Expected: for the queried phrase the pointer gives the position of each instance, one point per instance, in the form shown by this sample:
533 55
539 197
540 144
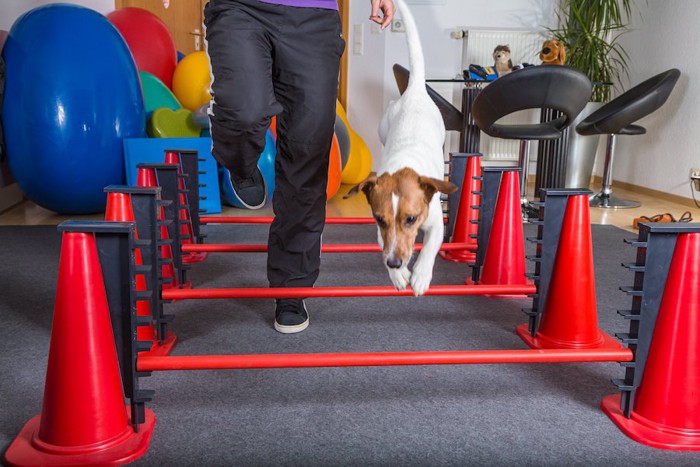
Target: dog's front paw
420 279
399 277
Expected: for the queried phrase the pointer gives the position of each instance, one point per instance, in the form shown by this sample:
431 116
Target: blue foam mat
152 150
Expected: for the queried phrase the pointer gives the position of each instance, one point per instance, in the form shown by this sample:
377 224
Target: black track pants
276 60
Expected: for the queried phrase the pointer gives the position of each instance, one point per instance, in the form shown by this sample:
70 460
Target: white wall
660 160
665 35
371 80
10 10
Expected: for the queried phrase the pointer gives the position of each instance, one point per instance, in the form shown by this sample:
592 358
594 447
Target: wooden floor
29 213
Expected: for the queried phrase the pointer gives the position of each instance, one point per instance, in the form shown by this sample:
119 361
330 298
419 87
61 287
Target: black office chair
617 118
553 87
452 116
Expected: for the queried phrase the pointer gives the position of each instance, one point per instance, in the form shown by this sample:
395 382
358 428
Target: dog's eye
410 220
380 221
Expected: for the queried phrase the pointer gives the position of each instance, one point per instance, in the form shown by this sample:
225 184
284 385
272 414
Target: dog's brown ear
562 53
432 185
365 185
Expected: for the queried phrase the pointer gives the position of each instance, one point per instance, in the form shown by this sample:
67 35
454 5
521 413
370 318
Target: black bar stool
543 87
617 118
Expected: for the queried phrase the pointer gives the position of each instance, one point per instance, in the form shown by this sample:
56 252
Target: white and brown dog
403 193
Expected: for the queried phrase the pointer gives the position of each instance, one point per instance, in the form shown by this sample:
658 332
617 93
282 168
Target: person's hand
387 8
166 3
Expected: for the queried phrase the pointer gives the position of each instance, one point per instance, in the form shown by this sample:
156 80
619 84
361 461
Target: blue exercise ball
266 164
72 94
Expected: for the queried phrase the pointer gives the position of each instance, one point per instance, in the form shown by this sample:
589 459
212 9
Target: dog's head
400 204
553 52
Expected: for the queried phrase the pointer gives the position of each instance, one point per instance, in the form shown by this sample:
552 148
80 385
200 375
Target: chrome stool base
602 200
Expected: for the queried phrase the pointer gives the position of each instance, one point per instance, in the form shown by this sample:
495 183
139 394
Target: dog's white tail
415 51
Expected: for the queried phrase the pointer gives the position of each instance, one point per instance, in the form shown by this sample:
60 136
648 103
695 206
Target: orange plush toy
553 52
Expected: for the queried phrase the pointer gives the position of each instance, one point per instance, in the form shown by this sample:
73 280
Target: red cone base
28 450
161 350
647 432
191 257
504 259
459 256
603 341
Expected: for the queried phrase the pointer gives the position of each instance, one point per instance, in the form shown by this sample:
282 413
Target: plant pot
581 152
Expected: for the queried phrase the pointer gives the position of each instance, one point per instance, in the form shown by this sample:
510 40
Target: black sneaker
250 192
291 315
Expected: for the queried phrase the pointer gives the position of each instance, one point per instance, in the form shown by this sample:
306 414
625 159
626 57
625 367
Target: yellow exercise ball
359 163
340 111
191 80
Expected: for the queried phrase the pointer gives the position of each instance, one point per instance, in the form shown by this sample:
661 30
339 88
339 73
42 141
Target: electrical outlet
397 25
695 177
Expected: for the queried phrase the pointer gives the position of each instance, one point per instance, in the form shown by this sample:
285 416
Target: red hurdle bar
363 291
461 357
329 248
268 220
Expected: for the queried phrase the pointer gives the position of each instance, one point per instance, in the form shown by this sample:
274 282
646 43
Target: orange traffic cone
666 411
84 420
504 259
119 209
570 317
464 229
147 177
172 157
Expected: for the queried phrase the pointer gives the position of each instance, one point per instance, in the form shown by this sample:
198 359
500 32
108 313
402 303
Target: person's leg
243 100
308 46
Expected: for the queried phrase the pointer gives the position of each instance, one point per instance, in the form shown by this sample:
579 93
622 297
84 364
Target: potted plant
590 29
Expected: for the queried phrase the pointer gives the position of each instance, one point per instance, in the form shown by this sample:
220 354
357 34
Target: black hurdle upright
168 177
490 185
552 207
457 174
146 204
655 246
190 172
116 246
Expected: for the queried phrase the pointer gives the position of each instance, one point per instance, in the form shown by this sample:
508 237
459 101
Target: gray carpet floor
494 415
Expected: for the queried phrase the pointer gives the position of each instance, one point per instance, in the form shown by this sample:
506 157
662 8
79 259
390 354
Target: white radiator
477 48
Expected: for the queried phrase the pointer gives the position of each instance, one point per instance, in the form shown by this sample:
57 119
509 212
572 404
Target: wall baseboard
662 195
10 196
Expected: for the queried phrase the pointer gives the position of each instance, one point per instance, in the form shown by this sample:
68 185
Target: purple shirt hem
329 4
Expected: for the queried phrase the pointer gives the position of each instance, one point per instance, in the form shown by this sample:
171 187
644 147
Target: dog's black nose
546 50
393 263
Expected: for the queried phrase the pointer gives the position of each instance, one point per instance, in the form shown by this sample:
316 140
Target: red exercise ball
334 169
149 41
273 126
